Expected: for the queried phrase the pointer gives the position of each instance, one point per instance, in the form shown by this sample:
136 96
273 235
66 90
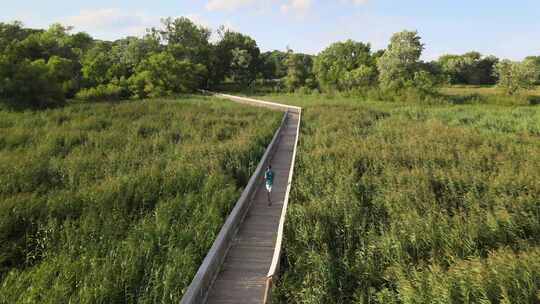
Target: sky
507 29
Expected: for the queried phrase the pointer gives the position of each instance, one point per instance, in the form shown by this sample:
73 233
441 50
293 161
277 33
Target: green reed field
487 90
471 94
405 203
119 203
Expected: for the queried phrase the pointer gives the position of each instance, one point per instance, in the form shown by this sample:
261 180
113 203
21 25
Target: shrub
516 76
63 71
29 83
303 91
400 61
161 75
469 68
362 77
103 92
344 65
299 72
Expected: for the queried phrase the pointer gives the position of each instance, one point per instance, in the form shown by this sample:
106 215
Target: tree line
45 67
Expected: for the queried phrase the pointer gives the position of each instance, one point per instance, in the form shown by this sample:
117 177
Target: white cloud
107 21
296 6
112 23
199 20
363 26
228 5
355 2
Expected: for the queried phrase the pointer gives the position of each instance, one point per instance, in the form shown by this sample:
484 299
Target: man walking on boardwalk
269 179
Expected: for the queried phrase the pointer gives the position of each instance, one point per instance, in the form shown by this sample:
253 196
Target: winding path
244 259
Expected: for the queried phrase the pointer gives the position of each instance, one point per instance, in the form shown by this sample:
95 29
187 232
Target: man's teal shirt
269 176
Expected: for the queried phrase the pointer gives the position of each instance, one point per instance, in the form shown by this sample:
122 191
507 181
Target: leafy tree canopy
469 68
299 71
516 76
237 57
399 63
345 65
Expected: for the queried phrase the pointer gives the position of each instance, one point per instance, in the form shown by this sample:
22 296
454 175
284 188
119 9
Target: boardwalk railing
256 102
197 291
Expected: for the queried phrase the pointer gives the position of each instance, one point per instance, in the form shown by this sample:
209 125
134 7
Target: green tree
483 71
425 82
63 71
39 68
535 60
299 71
378 54
345 65
107 66
44 44
469 68
233 49
126 54
161 75
80 43
273 64
240 66
399 63
11 33
185 40
96 64
29 83
516 76
361 77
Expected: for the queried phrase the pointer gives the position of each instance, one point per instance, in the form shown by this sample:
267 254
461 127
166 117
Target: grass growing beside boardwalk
483 90
119 203
456 95
405 203
467 94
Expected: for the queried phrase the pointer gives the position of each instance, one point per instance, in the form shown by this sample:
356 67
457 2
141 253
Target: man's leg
269 191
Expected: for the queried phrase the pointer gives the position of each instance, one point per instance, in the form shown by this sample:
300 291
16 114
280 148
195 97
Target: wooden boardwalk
243 274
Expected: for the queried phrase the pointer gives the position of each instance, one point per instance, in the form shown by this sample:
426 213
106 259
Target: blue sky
509 29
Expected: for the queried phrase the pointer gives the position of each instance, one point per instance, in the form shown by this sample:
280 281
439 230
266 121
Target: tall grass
452 95
404 203
467 94
119 203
